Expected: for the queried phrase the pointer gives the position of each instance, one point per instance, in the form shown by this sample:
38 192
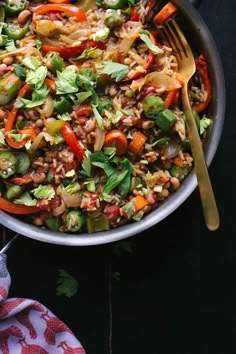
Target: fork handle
209 206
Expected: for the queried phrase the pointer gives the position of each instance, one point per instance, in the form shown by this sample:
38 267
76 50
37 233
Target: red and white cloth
27 327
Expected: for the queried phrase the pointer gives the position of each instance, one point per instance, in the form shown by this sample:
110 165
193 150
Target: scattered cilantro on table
67 285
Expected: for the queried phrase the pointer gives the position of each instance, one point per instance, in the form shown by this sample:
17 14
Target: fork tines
174 37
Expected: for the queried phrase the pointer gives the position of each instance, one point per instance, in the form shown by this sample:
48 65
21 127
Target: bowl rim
178 197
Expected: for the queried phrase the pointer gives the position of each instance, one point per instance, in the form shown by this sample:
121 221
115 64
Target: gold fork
176 40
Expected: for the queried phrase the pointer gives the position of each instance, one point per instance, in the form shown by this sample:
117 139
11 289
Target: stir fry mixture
92 132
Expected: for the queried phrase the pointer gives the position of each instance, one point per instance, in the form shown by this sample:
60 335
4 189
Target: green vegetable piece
54 127
97 224
63 105
186 145
14 7
66 284
124 186
3 37
116 70
23 162
144 35
135 181
115 4
53 223
2 13
180 172
102 35
50 176
166 120
13 191
152 106
15 32
54 61
115 20
8 163
9 87
74 220
197 119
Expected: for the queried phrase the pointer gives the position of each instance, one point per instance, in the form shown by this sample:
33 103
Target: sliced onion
160 79
38 139
70 200
99 139
59 210
48 107
86 5
170 150
28 50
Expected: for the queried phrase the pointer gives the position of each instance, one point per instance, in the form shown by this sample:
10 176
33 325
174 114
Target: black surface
176 292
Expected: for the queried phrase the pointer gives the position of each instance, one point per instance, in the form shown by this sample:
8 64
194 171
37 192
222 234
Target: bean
38 221
113 90
39 123
33 114
164 193
175 183
7 60
89 125
147 124
23 16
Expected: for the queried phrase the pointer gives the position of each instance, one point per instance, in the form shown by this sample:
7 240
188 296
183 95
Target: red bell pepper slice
20 180
70 51
134 16
170 98
67 8
201 70
72 141
17 208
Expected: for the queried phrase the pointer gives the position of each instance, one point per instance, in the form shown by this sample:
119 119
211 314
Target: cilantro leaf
64 116
38 98
144 35
115 70
86 165
31 62
98 117
36 77
113 181
129 209
25 199
66 81
73 187
80 97
204 124
90 185
10 46
67 285
38 44
19 70
44 192
18 137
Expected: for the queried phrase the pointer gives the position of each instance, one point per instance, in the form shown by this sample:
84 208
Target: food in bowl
92 129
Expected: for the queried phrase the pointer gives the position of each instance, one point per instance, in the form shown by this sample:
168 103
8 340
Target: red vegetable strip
201 67
165 13
134 16
69 51
17 208
51 84
67 8
72 141
20 180
170 98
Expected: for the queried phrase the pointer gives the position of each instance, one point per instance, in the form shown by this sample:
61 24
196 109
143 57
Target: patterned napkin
27 327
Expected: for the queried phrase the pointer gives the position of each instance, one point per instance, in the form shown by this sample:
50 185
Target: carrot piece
139 203
178 161
51 84
165 13
137 143
170 98
117 138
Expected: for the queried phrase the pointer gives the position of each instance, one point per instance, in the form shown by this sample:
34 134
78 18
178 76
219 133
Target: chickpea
175 183
23 16
39 123
113 90
7 60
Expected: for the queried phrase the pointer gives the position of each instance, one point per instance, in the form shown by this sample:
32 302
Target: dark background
170 290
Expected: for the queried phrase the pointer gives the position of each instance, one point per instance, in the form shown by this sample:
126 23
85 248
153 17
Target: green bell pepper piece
97 224
63 105
9 87
115 4
152 106
115 20
14 7
8 162
165 120
16 32
53 223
